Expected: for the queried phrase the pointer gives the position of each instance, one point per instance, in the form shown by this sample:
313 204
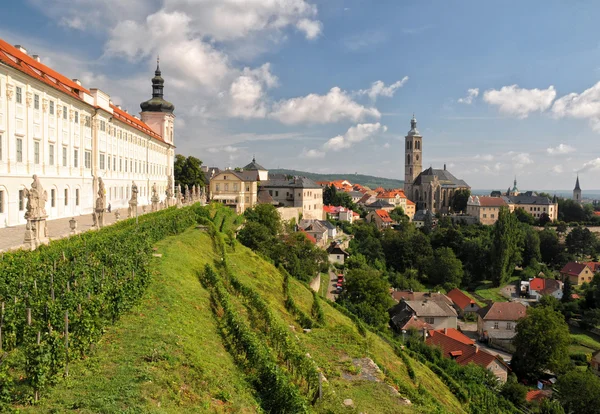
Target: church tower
413 158
577 191
156 112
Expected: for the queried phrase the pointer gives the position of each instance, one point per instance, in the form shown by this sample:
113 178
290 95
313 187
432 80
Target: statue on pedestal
133 201
187 194
179 196
36 231
155 199
98 214
169 192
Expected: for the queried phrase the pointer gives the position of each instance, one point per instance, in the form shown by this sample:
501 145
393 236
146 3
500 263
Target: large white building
68 135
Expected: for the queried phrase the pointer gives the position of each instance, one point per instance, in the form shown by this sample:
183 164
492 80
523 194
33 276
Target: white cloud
354 135
228 149
521 159
378 88
593 165
386 145
557 169
311 28
471 94
560 149
247 92
585 105
520 102
484 157
337 105
313 153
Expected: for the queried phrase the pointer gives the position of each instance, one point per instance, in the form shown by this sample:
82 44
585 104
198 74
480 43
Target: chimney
77 81
119 106
36 58
21 48
125 110
444 167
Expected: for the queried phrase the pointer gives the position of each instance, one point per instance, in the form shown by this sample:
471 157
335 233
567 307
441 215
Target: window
114 163
108 159
247 188
51 107
218 187
36 101
235 187
1 202
121 166
76 117
496 325
19 149
430 320
75 159
102 157
51 154
102 126
21 200
77 196
65 110
276 193
53 198
509 326
226 187
19 95
36 152
126 165
88 159
64 156
66 197
88 121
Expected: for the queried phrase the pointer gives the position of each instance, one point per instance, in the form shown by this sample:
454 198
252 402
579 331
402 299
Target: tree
445 268
567 291
581 241
570 211
550 248
257 237
542 343
531 246
460 199
505 247
523 216
513 391
329 194
299 256
188 171
398 215
367 294
267 215
579 392
550 407
544 219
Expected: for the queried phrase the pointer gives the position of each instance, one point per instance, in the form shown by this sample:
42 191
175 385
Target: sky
499 89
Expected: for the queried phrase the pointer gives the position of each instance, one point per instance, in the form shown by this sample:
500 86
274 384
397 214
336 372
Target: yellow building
237 189
485 209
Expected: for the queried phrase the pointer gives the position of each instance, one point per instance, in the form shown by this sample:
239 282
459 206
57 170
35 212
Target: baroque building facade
432 189
70 136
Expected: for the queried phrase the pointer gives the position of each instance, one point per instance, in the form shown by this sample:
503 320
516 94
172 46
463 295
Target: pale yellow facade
234 190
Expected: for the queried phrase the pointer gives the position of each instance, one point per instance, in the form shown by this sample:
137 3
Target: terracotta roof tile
459 298
503 311
384 215
573 268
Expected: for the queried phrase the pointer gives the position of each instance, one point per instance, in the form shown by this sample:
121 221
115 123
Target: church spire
577 184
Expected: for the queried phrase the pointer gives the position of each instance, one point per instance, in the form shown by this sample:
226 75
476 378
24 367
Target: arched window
407 145
410 170
417 145
408 158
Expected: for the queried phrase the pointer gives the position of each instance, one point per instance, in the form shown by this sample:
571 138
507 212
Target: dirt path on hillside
315 284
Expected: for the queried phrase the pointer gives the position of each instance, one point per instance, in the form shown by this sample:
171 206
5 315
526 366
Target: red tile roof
460 299
537 284
410 203
22 62
594 266
537 395
309 237
384 216
573 268
491 202
457 335
503 311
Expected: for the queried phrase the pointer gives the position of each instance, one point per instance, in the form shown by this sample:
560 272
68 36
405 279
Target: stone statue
36 231
169 192
36 200
155 199
187 194
178 195
133 201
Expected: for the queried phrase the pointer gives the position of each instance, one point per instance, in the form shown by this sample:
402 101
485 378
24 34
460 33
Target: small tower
577 191
413 158
157 113
515 190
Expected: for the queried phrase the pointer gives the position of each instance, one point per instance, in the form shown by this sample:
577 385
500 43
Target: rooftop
503 311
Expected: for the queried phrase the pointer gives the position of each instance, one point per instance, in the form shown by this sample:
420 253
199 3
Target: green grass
581 338
478 302
487 291
166 355
325 285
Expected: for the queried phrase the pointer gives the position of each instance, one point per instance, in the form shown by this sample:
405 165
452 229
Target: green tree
567 291
256 237
550 407
329 194
513 391
542 343
267 215
551 249
581 241
367 294
188 171
579 392
544 219
398 215
570 211
531 246
460 199
523 216
505 247
445 268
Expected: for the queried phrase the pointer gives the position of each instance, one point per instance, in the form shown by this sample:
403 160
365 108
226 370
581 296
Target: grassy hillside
367 180
172 352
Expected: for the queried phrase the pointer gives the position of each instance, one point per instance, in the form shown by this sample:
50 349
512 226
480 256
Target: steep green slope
168 354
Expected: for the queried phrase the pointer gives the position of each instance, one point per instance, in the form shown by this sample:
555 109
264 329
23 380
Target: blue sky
499 88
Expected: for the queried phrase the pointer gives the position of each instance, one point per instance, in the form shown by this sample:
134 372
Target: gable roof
263 196
335 248
537 395
445 178
380 204
430 308
309 237
486 201
594 266
384 216
254 166
460 299
503 311
398 295
528 199
573 268
13 57
293 182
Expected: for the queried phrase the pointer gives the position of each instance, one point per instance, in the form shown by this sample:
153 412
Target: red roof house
462 302
577 273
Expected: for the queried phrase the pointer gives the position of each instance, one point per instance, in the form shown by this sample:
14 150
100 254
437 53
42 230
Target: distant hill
366 180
